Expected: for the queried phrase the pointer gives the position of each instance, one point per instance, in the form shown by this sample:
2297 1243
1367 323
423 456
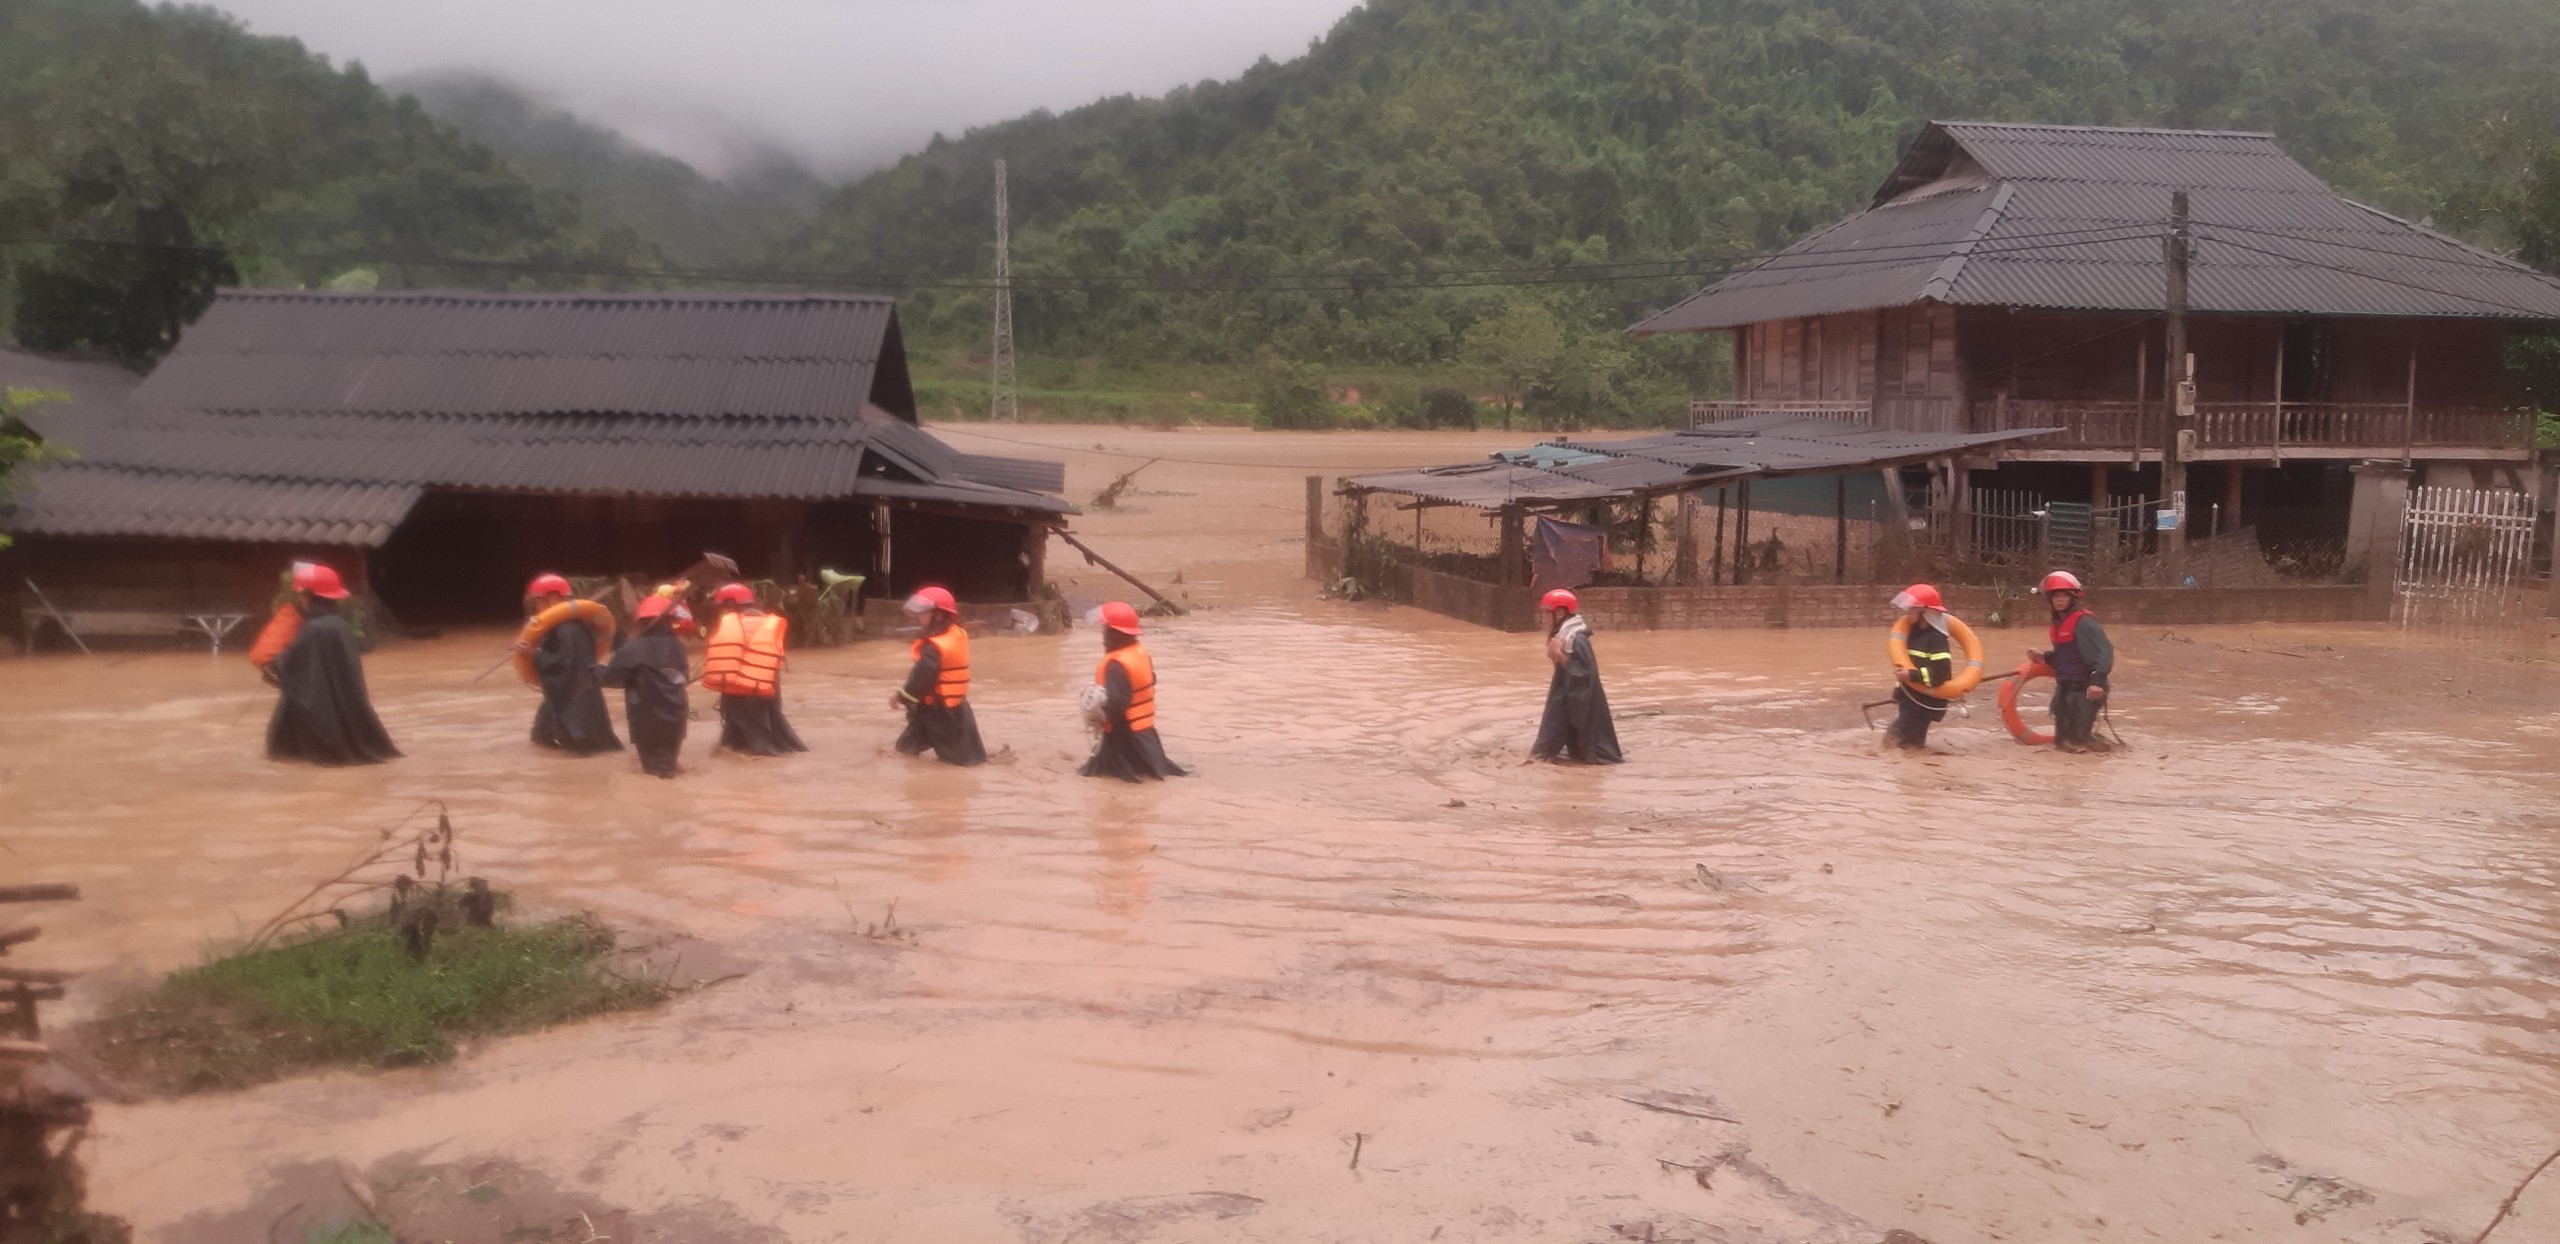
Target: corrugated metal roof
277 406
1028 474
1752 447
1778 444
82 499
2073 218
1486 485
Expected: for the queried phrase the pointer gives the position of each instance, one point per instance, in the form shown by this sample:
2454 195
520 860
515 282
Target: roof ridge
2448 239
537 296
2105 129
1943 280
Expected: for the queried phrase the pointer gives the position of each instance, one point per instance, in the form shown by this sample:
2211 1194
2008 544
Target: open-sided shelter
444 445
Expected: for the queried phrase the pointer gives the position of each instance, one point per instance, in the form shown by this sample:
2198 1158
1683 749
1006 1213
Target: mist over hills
696 220
156 152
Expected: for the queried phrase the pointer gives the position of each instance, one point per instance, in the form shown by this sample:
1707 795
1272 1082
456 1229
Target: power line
965 430
2532 312
2488 261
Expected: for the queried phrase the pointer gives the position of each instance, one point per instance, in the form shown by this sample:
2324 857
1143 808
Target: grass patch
356 996
351 1233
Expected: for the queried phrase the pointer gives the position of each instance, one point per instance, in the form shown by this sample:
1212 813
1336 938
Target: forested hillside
1470 134
147 155
695 219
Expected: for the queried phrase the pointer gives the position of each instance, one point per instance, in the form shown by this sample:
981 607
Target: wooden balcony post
2276 434
1742 533
2409 416
1840 536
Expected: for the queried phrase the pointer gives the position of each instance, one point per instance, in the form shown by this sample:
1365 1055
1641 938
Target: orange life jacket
1141 669
953 687
276 636
743 659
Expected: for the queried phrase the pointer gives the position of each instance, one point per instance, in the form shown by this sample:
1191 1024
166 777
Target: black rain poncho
1577 725
951 732
754 724
323 714
650 669
572 717
1129 755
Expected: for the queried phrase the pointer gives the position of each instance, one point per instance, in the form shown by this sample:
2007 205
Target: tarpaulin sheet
1563 554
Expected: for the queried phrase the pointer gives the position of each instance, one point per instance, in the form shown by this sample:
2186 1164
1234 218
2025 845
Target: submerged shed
443 446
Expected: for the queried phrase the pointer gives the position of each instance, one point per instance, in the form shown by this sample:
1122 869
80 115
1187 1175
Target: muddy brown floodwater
2286 969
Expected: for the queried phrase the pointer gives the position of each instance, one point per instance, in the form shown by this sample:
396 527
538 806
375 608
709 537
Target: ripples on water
1987 992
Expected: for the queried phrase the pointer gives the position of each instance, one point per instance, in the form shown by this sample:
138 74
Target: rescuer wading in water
1129 748
1933 662
743 662
572 718
323 714
936 696
650 668
2081 658
1577 725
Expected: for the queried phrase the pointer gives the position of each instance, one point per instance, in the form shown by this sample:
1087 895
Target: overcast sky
845 84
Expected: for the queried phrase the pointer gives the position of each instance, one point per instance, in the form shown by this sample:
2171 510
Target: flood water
2286 968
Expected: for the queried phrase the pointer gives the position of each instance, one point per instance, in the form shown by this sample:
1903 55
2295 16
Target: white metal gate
2464 556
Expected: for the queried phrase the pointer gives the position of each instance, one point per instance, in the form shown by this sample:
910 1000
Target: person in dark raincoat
1933 662
1129 749
743 662
572 717
649 666
936 696
1577 725
323 714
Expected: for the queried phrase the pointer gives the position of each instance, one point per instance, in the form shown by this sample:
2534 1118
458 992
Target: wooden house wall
1902 359
2099 356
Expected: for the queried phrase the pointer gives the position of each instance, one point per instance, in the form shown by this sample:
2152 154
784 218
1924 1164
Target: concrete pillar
1684 540
2374 521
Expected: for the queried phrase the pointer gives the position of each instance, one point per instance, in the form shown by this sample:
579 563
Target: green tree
1466 135
2512 197
1288 394
1514 349
19 444
155 153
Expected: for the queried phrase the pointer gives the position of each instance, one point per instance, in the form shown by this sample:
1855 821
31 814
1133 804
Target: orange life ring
1897 646
2009 693
587 611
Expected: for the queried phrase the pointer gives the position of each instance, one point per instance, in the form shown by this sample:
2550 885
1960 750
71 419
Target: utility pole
1004 399
2180 390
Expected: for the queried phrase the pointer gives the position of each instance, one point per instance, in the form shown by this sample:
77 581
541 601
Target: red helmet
928 599
1919 596
734 594
1120 617
319 580
548 585
652 606
1560 599
2061 581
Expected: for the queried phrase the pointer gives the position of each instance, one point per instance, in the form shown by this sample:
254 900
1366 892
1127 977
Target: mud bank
2284 965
